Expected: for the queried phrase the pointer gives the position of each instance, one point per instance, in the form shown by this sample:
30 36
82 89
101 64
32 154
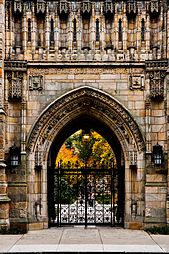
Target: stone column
70 32
4 199
56 33
33 30
79 31
92 36
147 34
24 33
167 99
47 32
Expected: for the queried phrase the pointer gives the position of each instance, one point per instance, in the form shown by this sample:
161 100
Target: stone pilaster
4 200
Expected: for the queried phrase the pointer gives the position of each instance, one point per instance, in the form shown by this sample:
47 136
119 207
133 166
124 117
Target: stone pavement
79 239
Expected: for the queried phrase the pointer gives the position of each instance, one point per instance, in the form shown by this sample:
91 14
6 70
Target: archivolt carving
89 101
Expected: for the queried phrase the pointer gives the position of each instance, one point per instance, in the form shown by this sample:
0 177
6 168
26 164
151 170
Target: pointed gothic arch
60 118
85 101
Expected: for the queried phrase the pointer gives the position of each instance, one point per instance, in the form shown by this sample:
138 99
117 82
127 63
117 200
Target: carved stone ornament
108 7
136 82
131 7
63 8
15 89
86 8
40 7
36 83
15 80
91 102
133 158
38 157
154 7
17 6
157 84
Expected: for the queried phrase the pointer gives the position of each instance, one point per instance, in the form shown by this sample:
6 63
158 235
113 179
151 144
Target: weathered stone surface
114 70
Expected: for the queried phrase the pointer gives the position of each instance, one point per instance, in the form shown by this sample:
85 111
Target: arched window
29 30
97 30
51 31
74 30
142 30
120 30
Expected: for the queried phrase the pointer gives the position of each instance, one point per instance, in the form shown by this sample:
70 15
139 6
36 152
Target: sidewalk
79 239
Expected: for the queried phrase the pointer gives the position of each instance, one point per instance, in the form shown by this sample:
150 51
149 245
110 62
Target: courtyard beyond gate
86 196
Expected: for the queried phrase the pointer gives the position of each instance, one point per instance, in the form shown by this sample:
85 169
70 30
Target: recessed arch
69 113
91 102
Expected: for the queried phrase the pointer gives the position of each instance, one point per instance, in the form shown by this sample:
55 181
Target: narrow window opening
51 31
74 31
142 30
97 30
29 30
120 30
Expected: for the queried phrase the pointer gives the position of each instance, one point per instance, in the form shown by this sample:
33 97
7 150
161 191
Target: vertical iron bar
86 197
113 199
111 187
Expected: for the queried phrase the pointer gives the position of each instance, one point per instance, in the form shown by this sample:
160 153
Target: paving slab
162 241
79 239
7 241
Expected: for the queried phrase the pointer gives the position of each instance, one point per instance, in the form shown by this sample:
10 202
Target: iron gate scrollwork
87 196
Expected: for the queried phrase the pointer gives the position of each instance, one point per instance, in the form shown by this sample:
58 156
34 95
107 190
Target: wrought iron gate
86 196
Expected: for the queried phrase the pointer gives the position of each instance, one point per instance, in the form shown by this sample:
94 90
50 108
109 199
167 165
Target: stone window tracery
15 80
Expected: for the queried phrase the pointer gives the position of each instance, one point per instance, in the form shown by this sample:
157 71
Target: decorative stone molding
36 83
156 72
15 80
40 7
15 65
131 7
38 157
108 7
133 158
154 7
157 84
17 7
86 8
136 82
63 8
86 100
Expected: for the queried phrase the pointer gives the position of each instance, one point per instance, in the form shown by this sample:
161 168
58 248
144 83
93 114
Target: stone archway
104 108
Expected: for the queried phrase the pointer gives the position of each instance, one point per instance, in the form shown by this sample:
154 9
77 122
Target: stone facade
63 60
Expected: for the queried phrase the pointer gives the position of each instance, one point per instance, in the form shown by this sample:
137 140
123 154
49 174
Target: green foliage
158 230
95 149
66 192
103 199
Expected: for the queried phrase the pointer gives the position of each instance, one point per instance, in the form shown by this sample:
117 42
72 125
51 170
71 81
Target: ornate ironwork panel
87 196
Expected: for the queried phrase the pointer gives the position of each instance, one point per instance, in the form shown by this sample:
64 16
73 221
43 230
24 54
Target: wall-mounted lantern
158 155
14 155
